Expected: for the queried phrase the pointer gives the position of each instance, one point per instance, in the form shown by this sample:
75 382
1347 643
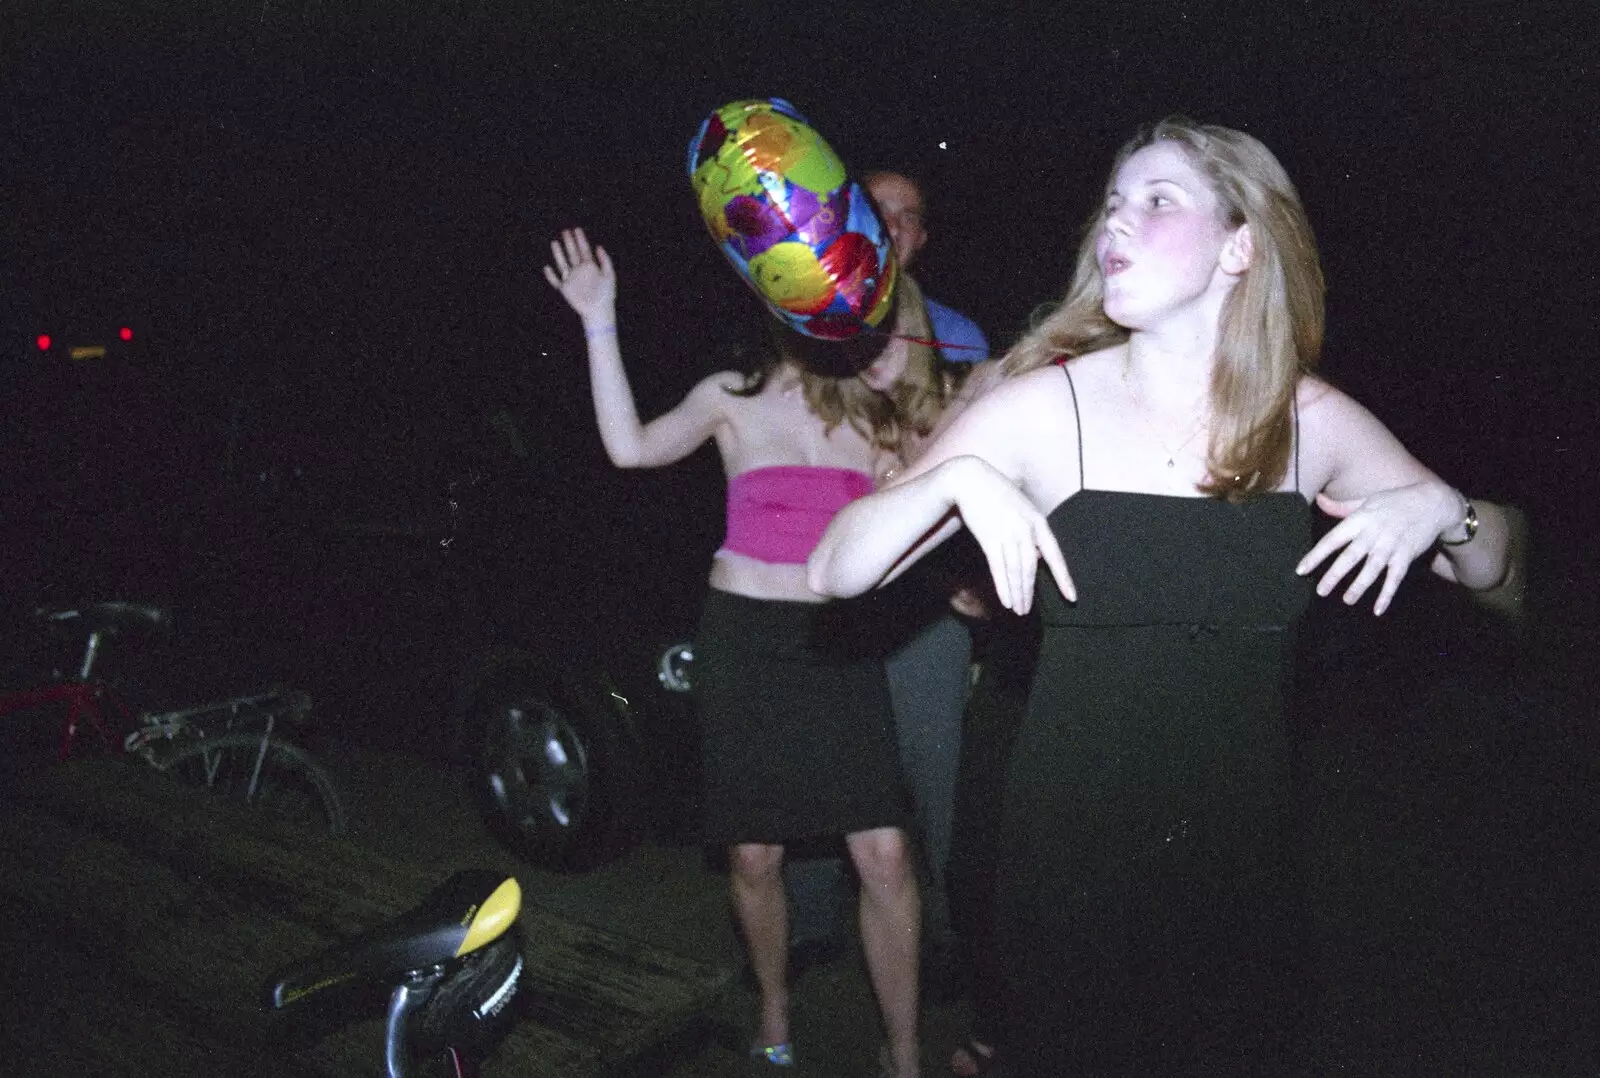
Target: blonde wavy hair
1271 327
930 382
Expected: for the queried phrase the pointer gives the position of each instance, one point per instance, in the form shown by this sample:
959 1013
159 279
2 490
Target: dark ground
1449 852
1449 862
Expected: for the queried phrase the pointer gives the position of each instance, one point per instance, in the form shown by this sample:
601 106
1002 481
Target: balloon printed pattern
779 204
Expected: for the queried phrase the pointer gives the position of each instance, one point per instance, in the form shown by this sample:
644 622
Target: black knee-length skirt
797 733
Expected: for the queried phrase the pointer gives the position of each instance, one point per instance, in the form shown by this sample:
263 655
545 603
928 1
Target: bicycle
451 966
232 746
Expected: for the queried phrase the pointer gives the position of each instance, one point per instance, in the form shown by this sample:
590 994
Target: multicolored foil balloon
776 199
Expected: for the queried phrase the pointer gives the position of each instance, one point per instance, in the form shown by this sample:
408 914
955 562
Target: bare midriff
741 575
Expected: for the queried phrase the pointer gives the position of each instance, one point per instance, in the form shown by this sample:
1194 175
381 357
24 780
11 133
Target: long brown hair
1271 326
835 399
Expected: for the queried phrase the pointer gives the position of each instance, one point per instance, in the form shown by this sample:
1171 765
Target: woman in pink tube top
798 734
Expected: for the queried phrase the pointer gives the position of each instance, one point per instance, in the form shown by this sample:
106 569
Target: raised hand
583 276
1380 535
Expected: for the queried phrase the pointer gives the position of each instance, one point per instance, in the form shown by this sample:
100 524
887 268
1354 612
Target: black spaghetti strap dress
1149 919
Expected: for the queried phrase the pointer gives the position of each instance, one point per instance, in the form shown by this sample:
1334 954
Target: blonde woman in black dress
1159 446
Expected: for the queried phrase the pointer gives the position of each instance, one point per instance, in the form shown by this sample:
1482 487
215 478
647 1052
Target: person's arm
586 280
1392 510
874 539
970 596
962 338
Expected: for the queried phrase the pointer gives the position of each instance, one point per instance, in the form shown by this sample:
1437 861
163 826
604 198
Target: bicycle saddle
468 911
109 617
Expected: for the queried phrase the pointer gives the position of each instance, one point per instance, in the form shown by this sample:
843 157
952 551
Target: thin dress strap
1295 437
1078 420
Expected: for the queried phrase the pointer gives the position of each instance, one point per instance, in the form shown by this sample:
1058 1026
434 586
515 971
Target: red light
125 333
43 341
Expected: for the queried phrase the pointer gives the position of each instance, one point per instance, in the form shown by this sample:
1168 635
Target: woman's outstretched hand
584 277
1013 535
1382 534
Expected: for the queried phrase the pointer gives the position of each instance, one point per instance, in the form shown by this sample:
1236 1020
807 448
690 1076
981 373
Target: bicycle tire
289 784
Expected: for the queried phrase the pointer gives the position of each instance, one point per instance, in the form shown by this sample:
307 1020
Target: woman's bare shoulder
1059 381
1325 406
719 391
724 381
1030 381
1105 363
1016 403
1348 449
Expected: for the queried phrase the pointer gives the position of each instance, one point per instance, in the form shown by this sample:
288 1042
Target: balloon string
931 342
934 343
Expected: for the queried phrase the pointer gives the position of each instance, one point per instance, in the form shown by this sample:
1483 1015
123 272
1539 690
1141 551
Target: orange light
43 341
125 333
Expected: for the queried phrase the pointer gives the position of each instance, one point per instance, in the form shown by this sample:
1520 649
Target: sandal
779 1055
970 1061
886 1063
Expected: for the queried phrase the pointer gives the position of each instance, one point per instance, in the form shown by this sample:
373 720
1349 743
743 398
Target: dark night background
352 442
326 232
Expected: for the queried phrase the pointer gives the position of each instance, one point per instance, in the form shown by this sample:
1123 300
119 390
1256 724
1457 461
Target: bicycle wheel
274 775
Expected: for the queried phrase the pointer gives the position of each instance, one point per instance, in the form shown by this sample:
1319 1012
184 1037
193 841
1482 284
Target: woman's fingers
1000 572
997 552
1050 553
1318 554
1348 558
1026 561
571 249
1378 536
1348 547
1014 538
1370 568
1391 584
1014 568
570 254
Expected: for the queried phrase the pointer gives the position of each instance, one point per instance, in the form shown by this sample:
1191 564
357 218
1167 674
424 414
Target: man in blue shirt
901 207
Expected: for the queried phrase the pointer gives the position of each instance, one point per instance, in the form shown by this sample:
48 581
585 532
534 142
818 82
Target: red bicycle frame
84 700
87 701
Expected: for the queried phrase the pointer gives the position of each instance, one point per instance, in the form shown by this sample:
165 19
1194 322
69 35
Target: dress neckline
1083 483
1295 494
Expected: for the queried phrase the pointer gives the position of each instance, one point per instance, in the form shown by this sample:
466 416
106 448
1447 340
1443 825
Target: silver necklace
1171 451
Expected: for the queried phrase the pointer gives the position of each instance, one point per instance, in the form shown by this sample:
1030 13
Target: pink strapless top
779 514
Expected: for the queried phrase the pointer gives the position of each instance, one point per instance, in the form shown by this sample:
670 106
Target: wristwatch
1469 521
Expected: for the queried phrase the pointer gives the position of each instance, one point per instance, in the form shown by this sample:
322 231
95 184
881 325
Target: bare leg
757 885
891 920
